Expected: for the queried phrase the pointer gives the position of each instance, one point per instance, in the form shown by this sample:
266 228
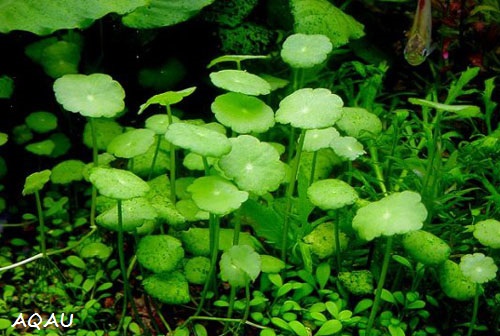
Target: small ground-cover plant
306 209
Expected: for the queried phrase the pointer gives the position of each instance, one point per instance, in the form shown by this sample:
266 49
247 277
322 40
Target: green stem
172 161
214 250
121 256
313 167
289 194
41 221
380 286
337 242
377 168
474 310
95 162
155 155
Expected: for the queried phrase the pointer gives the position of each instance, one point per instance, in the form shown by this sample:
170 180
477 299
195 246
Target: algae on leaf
321 17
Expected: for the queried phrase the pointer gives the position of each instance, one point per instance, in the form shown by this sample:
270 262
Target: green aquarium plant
120 185
398 213
478 269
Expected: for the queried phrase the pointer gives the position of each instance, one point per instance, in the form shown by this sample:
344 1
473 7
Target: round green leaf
331 194
244 114
136 213
160 253
95 250
67 171
240 81
6 87
216 195
425 247
170 288
96 95
255 166
158 123
317 139
356 120
198 139
117 183
305 51
394 214
347 147
45 147
488 233
36 181
310 108
41 122
132 143
239 265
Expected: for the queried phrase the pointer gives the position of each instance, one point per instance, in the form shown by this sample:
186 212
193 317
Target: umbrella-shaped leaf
169 288
478 268
347 147
317 139
305 51
105 131
167 98
356 120
310 108
488 233
117 183
67 171
321 17
36 181
244 114
45 147
198 139
331 194
132 143
158 123
45 17
239 265
41 122
234 58
161 13
160 253
190 211
240 81
255 166
96 95
394 214
216 195
197 240
135 212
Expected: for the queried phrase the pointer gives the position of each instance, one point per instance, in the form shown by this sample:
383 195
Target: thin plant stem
337 242
380 286
313 167
214 250
121 257
377 168
41 221
289 194
155 155
474 310
95 162
172 161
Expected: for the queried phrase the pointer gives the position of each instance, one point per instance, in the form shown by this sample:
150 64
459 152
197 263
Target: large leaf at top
321 17
161 13
43 17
